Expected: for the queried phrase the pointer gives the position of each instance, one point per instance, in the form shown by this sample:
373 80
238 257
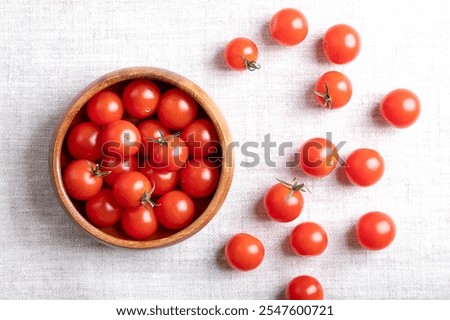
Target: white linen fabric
50 50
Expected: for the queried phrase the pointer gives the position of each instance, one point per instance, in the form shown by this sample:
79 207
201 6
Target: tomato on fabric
304 288
140 98
375 230
121 138
341 43
400 108
104 108
84 141
308 239
241 54
199 179
318 157
201 138
333 90
102 210
364 167
289 27
175 210
140 222
177 109
83 179
244 252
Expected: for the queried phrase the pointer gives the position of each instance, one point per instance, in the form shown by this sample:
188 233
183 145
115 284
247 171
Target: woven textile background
50 50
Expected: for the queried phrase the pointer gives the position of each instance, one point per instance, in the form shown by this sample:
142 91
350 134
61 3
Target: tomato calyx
96 172
163 140
146 198
327 101
251 65
295 186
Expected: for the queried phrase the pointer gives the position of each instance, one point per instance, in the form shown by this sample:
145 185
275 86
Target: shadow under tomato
260 212
221 260
352 239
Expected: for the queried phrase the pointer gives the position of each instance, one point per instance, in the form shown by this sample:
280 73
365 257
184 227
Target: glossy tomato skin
175 210
80 181
84 141
333 90
140 222
201 138
341 44
308 239
244 252
121 138
140 98
104 108
151 130
289 27
281 204
375 230
130 187
318 157
117 166
102 210
304 288
163 181
177 109
400 108
364 167
167 156
238 51
199 179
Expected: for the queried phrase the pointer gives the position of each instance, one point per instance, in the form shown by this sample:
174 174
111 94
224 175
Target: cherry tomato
177 109
304 288
318 157
140 98
241 54
102 210
244 252
400 108
288 27
333 90
116 167
364 167
199 179
84 141
132 189
104 108
82 179
175 210
151 130
283 202
375 230
167 153
140 222
163 181
308 239
121 139
341 44
201 138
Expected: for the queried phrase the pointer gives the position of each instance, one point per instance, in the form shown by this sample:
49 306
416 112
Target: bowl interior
205 208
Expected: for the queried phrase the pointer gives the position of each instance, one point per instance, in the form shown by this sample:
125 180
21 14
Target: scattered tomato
400 108
241 54
333 90
364 167
308 239
289 27
375 230
341 44
304 288
318 157
244 252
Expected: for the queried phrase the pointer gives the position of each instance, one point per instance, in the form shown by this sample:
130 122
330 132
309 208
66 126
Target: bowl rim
175 80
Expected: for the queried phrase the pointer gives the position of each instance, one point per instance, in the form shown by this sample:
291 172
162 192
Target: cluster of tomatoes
139 158
318 157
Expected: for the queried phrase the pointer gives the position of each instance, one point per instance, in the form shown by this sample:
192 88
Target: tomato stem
96 172
163 140
146 198
251 65
294 187
327 101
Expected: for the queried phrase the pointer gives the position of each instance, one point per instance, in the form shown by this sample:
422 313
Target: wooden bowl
114 236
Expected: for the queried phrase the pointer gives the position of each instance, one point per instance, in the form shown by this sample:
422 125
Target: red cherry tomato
163 181
199 179
121 138
167 153
244 252
140 98
304 288
84 141
104 108
241 54
102 210
82 179
151 130
132 189
177 109
201 138
283 202
400 108
341 44
318 157
116 167
375 230
175 210
333 90
308 239
139 223
288 27
364 167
